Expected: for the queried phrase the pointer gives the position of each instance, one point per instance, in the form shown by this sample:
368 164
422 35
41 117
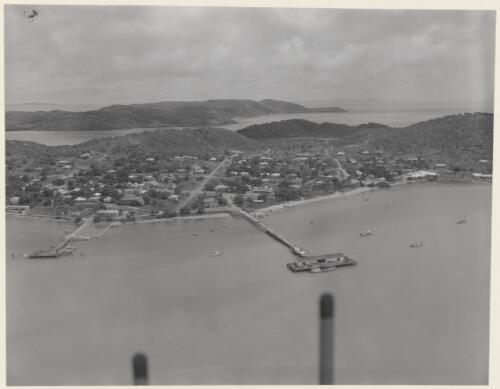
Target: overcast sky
104 55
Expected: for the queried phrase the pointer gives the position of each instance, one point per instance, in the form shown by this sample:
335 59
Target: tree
210 186
169 213
238 200
185 211
57 181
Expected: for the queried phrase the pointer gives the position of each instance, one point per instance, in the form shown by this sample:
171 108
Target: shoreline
193 217
353 192
258 212
331 196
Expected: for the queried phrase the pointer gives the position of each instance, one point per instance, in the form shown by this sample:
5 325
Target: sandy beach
291 204
335 195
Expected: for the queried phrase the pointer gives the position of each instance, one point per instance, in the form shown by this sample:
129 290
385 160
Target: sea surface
392 113
403 315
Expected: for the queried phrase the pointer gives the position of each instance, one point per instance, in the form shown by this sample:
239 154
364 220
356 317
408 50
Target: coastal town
137 186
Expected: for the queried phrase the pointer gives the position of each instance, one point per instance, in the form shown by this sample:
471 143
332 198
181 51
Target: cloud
117 54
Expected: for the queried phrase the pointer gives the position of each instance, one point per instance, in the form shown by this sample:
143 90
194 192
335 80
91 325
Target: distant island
151 115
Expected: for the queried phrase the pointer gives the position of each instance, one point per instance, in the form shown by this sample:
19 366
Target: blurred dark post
326 308
140 369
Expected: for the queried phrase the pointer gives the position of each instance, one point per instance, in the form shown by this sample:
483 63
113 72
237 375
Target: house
184 158
210 202
221 188
440 165
303 155
109 212
14 200
422 174
107 199
132 200
17 209
174 198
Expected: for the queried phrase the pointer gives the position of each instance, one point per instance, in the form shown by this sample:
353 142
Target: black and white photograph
218 194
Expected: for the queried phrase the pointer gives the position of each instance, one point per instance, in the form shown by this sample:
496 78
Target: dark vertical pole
326 340
140 369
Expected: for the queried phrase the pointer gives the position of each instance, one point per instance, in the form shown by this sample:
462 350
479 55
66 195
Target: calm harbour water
403 315
397 114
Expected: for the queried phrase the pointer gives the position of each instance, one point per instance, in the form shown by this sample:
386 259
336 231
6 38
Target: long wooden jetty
308 262
60 249
297 250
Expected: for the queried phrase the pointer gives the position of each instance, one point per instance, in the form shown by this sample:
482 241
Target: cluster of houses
259 178
83 191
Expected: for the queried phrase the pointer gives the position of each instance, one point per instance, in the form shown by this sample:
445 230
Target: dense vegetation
162 143
303 128
459 137
162 114
464 138
172 141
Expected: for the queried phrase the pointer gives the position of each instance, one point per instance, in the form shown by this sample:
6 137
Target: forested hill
172 141
465 136
304 128
162 143
162 114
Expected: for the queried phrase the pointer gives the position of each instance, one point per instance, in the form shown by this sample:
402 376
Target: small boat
461 221
215 253
417 244
66 251
367 233
321 269
76 238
